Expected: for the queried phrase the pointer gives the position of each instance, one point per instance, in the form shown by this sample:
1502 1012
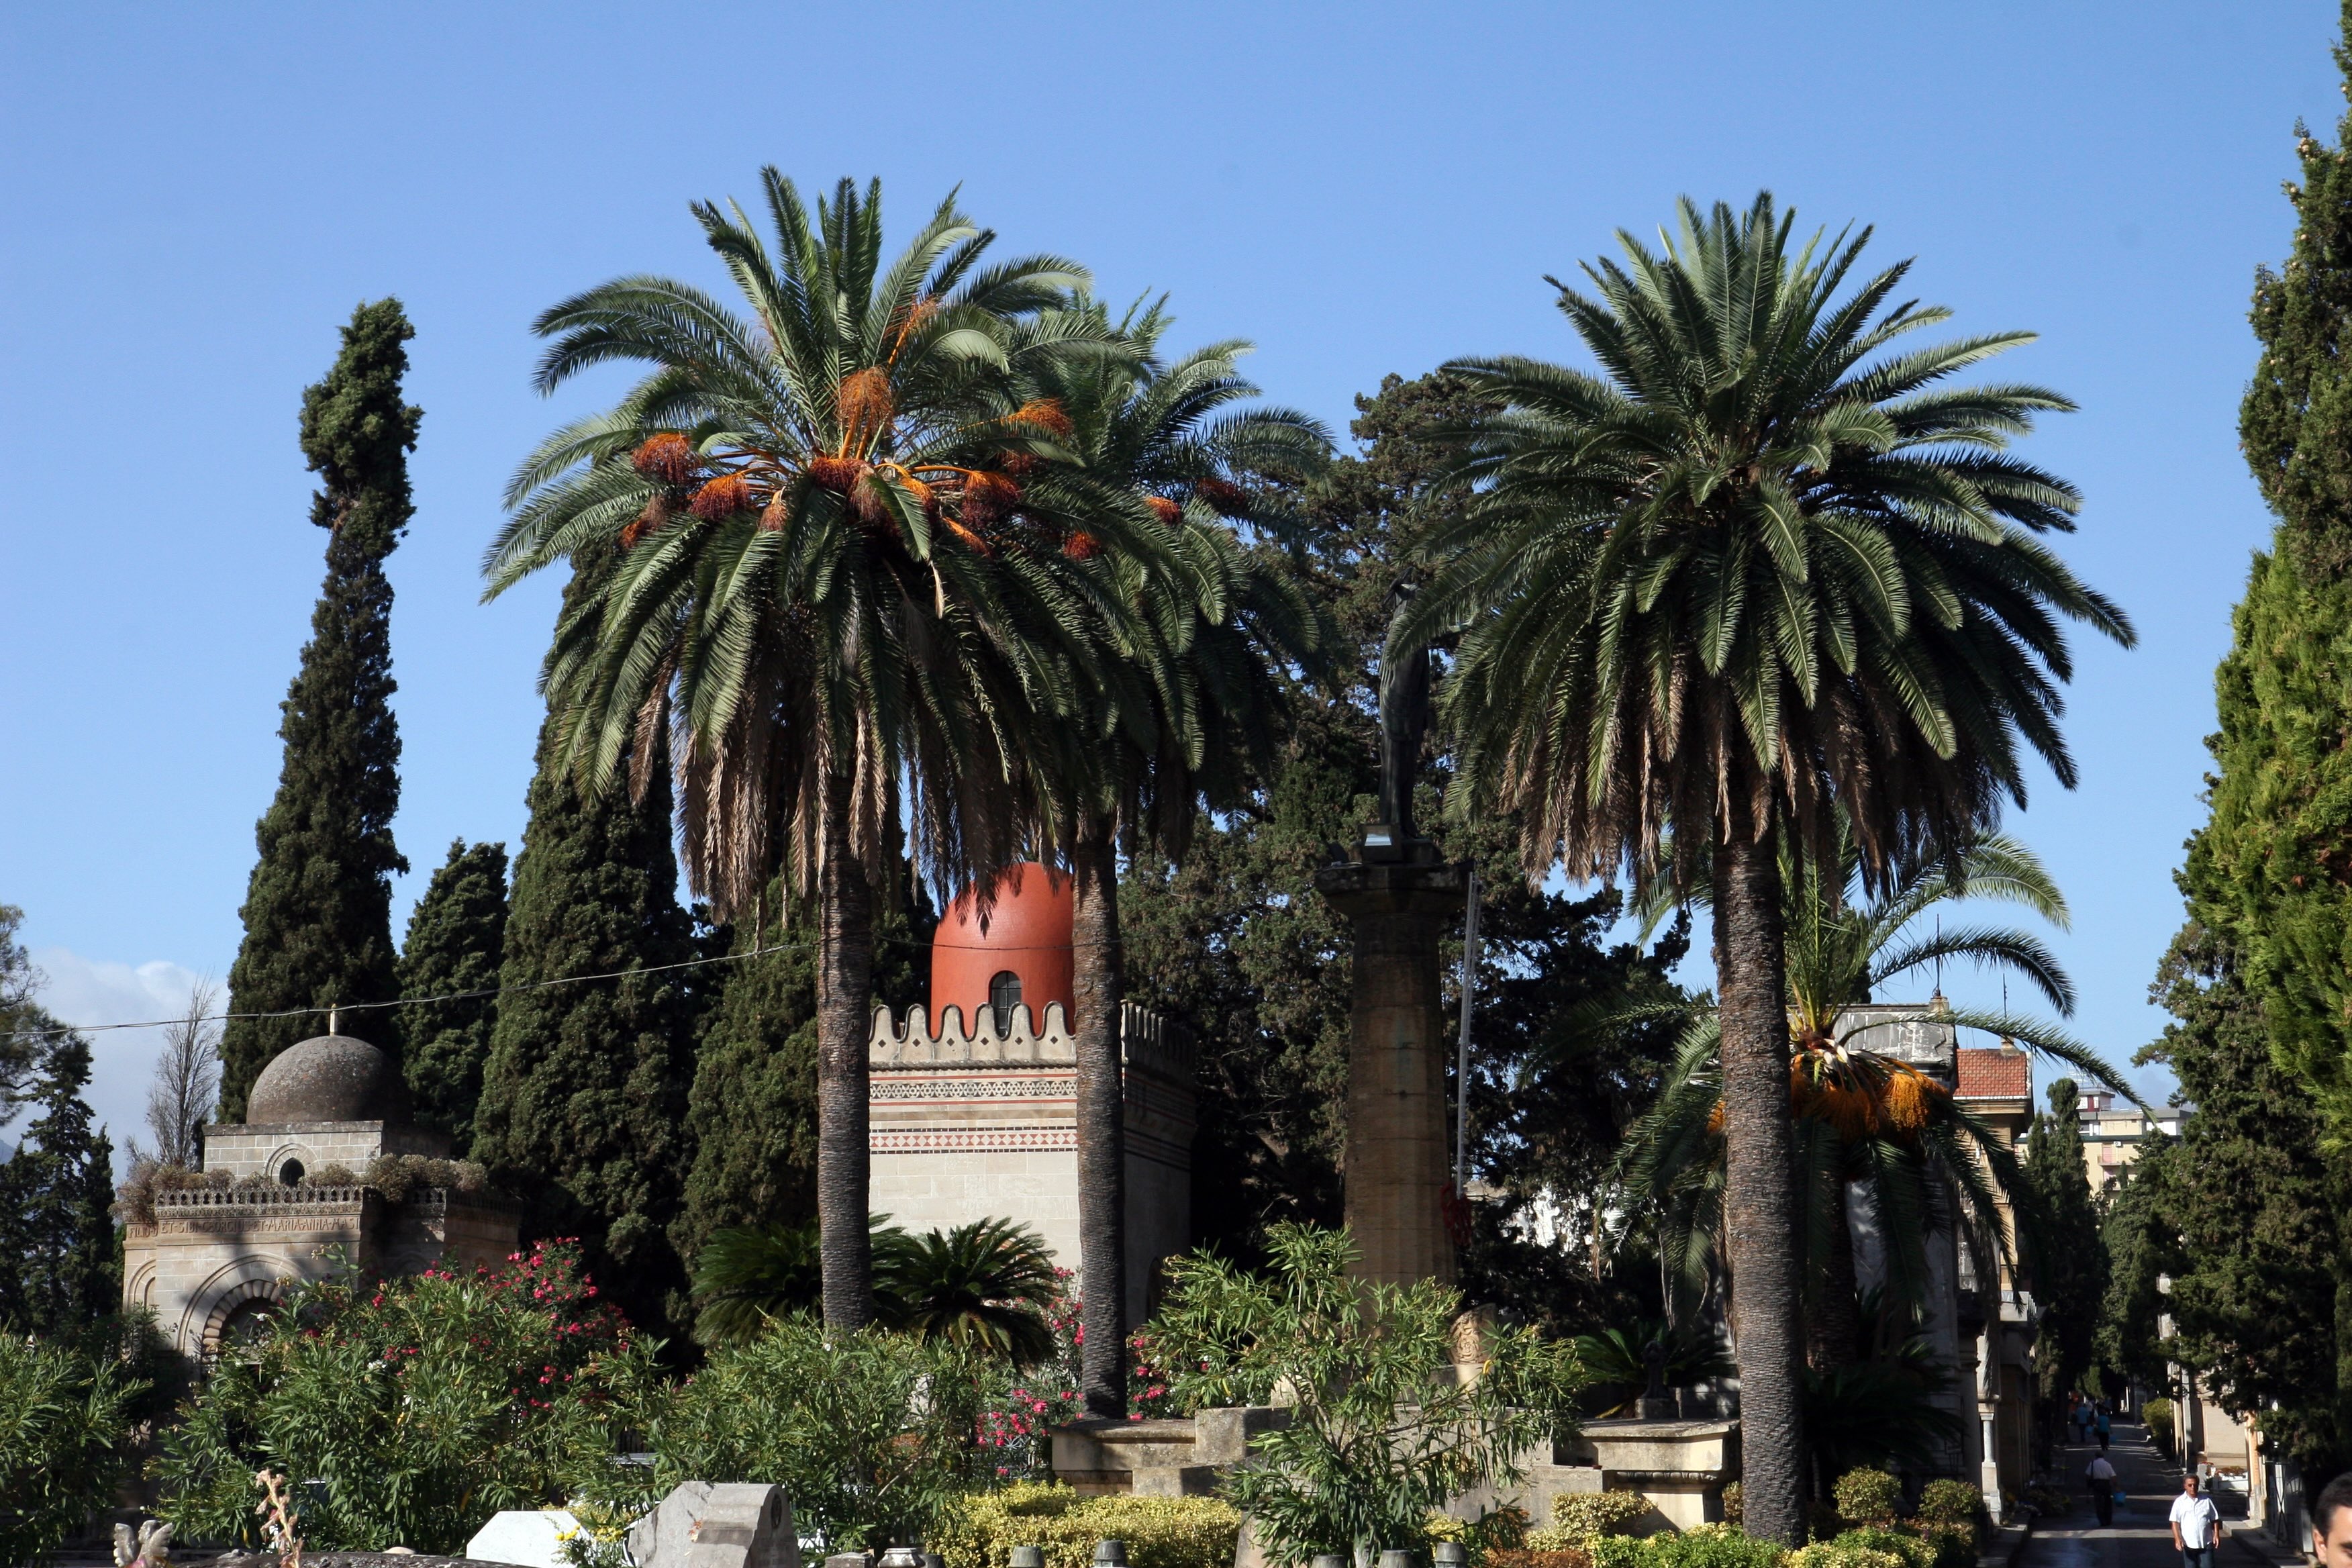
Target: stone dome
329 1077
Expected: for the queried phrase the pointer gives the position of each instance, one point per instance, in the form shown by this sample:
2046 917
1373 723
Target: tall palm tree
838 587
1760 566
1164 449
1865 1118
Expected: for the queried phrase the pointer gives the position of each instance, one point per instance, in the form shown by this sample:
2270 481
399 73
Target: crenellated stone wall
968 1124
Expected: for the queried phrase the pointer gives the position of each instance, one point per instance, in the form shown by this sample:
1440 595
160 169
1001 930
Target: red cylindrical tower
1023 959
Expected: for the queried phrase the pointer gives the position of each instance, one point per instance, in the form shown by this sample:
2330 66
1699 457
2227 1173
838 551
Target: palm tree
1759 568
1164 449
747 1275
983 1286
838 589
1864 1116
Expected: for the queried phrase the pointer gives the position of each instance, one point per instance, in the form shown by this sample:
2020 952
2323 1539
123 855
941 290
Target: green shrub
871 1434
1956 1546
1503 1529
1734 1504
2158 1414
425 1404
1349 1470
65 1426
1868 1497
976 1529
1913 1551
1706 1546
1951 1502
1841 1553
1581 1516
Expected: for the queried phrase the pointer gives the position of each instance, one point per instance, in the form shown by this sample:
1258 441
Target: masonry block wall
975 1124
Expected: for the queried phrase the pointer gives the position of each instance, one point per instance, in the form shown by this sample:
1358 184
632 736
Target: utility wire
761 951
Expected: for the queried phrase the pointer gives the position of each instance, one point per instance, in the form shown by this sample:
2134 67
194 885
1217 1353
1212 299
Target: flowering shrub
1580 1516
979 1529
424 1403
1013 1424
1868 1497
66 1411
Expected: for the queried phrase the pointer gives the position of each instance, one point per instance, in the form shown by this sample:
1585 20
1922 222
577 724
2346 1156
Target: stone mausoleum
217 1255
974 1101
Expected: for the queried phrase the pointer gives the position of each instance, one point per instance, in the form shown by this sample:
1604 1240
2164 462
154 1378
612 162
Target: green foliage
1533 1556
1579 1517
1497 1530
66 1410
1951 1502
2142 1248
317 910
1706 1546
979 1529
2245 1214
60 1259
2158 1414
1868 1497
425 1403
870 1432
1615 1359
1379 1435
2064 1247
456 939
582 1112
1235 945
1866 1549
1878 1412
981 1287
2051 1503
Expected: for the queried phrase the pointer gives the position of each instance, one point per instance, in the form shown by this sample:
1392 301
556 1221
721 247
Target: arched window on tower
1003 995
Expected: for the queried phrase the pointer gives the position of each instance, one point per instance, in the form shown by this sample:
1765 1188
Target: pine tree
317 911
2062 1240
457 940
2273 869
2246 1212
583 1103
60 1259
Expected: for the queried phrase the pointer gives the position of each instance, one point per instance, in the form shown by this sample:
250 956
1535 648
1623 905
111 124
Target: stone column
1399 1159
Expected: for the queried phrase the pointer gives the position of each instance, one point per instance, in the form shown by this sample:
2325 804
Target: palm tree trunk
845 997
1099 988
1833 1328
1759 1186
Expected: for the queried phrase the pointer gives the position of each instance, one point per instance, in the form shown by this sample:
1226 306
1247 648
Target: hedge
1578 1518
1706 1546
980 1529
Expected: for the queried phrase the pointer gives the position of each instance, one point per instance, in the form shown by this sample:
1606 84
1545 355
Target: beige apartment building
2113 1129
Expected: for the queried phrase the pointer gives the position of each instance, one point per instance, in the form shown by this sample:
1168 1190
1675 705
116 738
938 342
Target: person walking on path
2104 1426
2101 1476
2196 1525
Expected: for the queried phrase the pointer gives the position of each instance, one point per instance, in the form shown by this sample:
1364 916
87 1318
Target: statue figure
1405 720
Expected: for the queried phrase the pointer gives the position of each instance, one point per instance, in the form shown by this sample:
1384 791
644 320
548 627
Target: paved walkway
2142 1536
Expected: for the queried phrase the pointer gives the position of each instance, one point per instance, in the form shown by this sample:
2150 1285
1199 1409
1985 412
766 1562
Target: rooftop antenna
335 1018
1936 1001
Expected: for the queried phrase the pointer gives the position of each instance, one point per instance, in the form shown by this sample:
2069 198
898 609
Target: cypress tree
582 1107
753 1111
2065 1253
61 1260
2273 867
2246 1213
317 911
457 940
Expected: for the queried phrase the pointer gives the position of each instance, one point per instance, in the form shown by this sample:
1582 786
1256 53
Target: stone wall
263 1150
969 1124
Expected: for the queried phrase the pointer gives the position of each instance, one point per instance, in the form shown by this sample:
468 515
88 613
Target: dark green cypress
2247 1205
60 1258
456 941
583 1108
2063 1248
318 913
2273 869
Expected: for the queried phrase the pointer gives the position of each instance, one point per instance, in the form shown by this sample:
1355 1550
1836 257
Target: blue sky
197 196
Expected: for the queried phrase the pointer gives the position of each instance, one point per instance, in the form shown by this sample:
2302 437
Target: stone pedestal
1397 897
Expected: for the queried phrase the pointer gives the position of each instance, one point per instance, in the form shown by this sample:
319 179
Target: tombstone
736 1524
527 1538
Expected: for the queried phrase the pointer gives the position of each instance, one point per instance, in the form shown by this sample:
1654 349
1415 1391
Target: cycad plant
1202 633
1763 566
1865 1117
981 1287
842 584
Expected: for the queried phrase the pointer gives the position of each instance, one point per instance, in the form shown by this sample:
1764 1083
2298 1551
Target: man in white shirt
2196 1525
2101 1476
